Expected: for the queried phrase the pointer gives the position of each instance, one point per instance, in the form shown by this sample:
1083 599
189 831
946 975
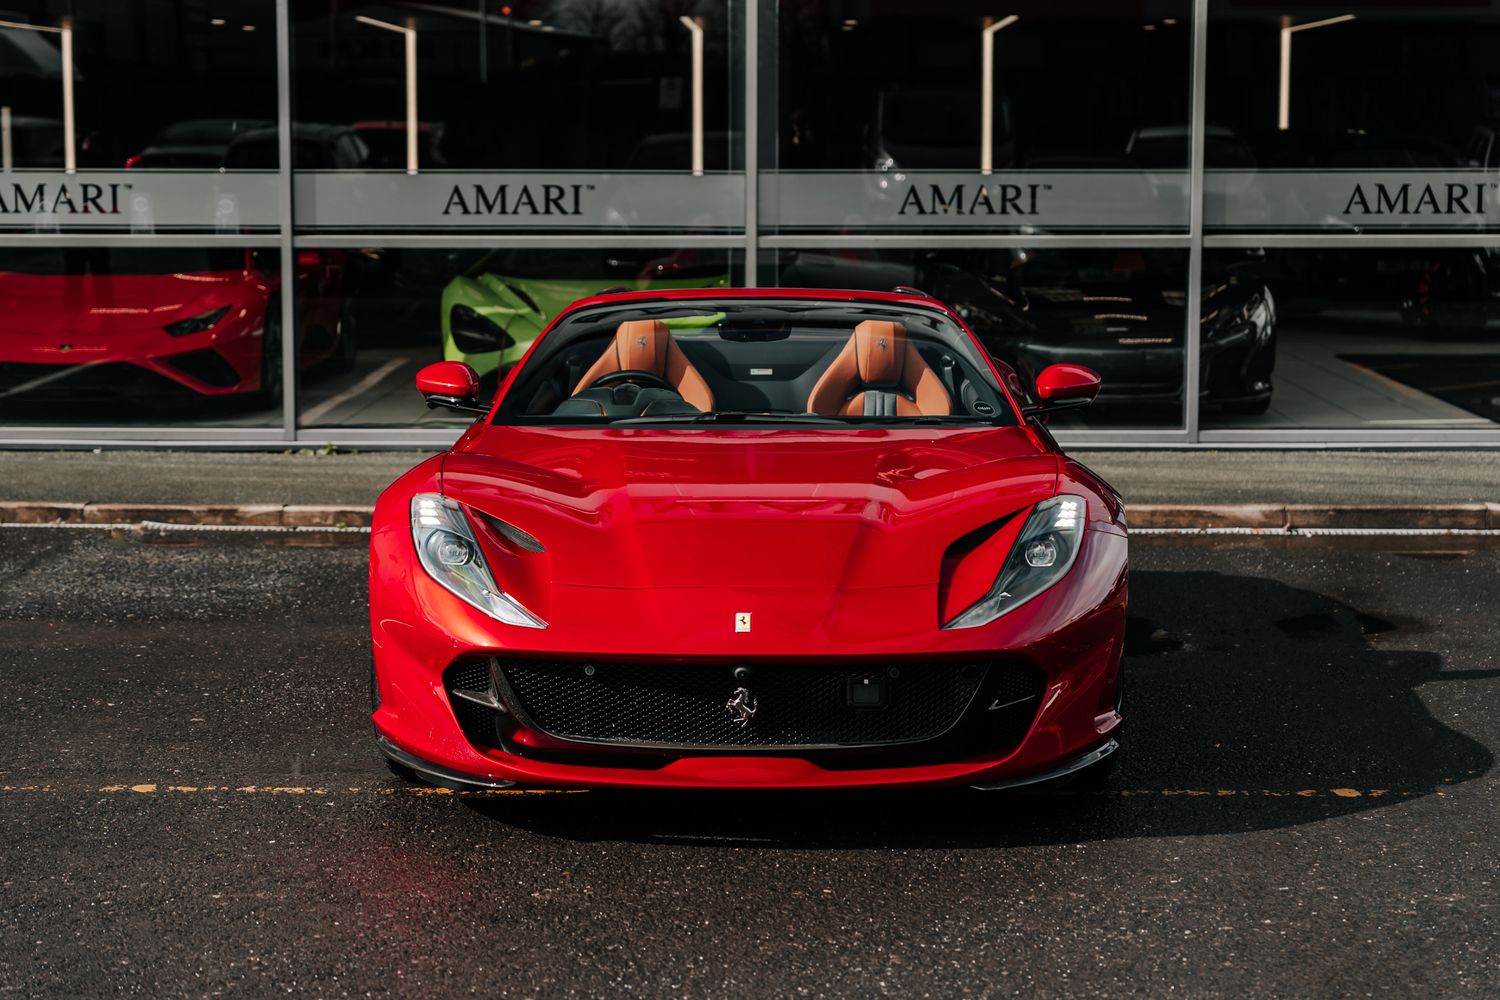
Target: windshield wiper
725 417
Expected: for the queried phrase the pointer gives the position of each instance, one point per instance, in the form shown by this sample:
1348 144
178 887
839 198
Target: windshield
736 360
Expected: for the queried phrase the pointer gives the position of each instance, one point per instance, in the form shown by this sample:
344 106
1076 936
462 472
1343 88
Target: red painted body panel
77 319
448 378
1059 382
656 537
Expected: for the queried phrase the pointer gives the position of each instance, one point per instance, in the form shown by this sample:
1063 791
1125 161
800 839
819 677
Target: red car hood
797 524
82 305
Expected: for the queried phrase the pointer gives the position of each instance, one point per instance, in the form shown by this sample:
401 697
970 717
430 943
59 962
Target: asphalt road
190 805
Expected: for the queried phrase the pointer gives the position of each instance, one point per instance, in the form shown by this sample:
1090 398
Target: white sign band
341 200
1004 200
138 200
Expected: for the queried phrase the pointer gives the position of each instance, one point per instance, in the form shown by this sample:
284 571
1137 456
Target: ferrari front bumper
1070 639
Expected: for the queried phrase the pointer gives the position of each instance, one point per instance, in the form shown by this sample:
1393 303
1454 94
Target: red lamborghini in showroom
766 538
155 324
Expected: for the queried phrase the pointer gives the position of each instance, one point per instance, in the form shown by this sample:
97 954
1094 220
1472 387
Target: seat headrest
641 345
880 352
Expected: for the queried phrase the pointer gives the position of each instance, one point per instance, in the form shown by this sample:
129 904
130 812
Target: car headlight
197 324
1042 555
450 554
474 333
1256 318
1261 314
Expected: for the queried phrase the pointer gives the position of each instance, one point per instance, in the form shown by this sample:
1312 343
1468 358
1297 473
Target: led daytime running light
1041 556
449 552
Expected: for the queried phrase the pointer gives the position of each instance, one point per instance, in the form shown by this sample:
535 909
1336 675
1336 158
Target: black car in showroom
1119 312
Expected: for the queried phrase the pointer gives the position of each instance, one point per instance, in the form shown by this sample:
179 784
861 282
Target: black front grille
796 705
207 366
107 381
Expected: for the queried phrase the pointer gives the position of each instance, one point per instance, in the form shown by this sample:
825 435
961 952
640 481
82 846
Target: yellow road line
152 788
1265 793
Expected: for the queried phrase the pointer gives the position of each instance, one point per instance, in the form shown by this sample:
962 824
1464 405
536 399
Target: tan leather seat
880 374
647 345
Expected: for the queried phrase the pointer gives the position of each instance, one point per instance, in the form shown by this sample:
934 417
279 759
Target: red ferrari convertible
770 538
154 324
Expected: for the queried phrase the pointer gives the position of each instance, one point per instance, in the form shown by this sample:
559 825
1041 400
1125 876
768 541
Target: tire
268 396
341 361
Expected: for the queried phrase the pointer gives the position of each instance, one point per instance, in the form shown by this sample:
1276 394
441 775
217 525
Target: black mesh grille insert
796 705
206 366
1011 684
477 721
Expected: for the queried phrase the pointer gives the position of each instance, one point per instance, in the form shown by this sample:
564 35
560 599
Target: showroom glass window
1334 132
407 307
524 116
1119 311
138 257
939 127
507 158
1058 117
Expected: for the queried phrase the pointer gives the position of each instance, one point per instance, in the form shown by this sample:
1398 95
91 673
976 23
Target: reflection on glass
524 84
1378 339
150 334
962 116
200 144
967 86
492 313
1352 119
1119 312
95 84
413 307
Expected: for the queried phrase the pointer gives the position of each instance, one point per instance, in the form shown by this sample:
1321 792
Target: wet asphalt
190 805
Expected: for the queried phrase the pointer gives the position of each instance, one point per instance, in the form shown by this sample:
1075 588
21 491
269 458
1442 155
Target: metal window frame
519 241
757 43
289 345
1193 313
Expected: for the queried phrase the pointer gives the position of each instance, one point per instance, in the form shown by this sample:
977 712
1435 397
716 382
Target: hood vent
512 534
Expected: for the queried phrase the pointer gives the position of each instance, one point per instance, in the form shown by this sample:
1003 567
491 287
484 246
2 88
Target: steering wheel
635 376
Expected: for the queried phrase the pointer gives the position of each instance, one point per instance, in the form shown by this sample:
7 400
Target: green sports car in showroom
492 313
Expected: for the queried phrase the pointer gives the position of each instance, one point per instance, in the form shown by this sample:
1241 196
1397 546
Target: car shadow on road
1249 705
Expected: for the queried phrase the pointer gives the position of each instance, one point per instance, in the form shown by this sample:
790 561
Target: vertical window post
695 26
1288 29
987 89
65 39
409 30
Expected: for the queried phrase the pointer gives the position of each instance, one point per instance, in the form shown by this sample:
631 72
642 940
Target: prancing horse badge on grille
742 706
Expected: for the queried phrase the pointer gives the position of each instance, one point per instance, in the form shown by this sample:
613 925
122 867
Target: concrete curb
1460 516
1288 517
230 515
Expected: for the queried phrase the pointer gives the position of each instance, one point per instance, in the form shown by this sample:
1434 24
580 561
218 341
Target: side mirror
1064 387
450 384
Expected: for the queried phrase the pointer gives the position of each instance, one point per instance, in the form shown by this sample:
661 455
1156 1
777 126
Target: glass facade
252 221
